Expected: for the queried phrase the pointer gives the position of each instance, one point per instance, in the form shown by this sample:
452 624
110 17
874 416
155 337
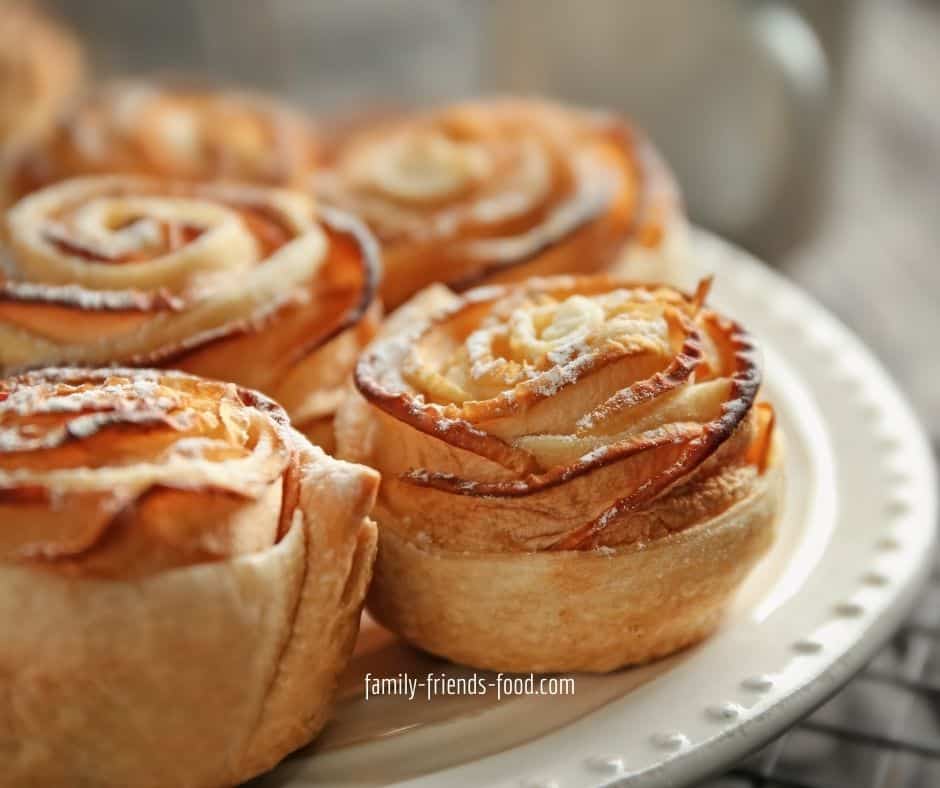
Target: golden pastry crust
248 284
41 66
186 622
576 473
172 131
505 189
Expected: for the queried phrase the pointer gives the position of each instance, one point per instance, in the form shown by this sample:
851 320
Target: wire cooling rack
881 731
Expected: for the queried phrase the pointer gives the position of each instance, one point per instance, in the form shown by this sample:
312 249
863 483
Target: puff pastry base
575 610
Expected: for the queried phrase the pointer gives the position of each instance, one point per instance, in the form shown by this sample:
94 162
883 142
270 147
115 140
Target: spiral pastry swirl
41 65
165 540
566 439
502 190
176 132
239 283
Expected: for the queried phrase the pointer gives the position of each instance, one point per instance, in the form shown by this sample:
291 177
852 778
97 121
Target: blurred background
807 131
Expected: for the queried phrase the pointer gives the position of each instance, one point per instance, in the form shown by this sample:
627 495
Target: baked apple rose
502 190
41 66
171 131
182 576
576 472
248 284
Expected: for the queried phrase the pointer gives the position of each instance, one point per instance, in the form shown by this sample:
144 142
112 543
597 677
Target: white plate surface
854 545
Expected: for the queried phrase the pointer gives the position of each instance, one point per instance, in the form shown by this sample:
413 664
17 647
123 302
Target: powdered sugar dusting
91 300
551 382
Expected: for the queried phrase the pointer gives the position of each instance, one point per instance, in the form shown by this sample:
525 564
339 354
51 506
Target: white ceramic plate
854 545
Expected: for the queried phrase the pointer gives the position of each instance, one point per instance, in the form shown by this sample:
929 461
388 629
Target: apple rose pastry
173 132
40 67
576 475
240 283
182 576
503 190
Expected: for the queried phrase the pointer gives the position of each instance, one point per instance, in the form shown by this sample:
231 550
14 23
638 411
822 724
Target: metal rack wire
881 731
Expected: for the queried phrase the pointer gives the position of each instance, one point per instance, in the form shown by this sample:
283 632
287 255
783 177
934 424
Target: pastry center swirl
421 166
137 234
543 334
